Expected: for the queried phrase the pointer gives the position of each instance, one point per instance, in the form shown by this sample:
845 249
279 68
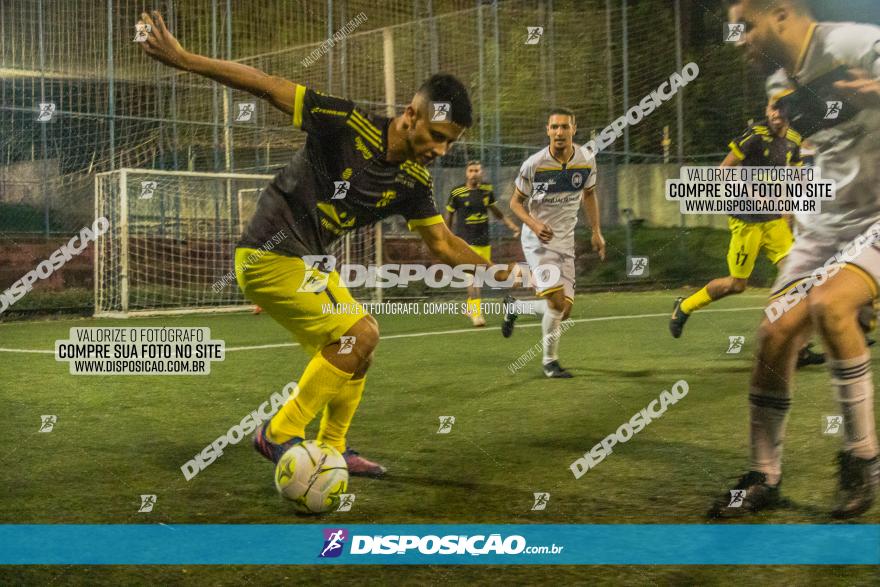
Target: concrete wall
642 188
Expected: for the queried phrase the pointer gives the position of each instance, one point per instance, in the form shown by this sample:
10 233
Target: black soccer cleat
509 316
676 322
807 356
554 370
859 479
751 494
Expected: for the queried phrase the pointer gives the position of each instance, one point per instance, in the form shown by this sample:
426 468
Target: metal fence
115 108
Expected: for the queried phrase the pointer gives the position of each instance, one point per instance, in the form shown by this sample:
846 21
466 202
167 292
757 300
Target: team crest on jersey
577 179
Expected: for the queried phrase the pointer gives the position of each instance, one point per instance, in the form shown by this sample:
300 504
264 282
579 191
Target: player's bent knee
773 335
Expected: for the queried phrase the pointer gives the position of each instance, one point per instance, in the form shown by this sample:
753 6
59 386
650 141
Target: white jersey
554 195
849 152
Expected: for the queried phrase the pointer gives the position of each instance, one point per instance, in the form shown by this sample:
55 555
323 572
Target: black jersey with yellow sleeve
471 208
761 147
338 182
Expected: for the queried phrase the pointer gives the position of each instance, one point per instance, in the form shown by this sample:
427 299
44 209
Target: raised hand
161 44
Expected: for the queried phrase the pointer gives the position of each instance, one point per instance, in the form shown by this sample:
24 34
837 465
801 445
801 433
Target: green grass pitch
514 434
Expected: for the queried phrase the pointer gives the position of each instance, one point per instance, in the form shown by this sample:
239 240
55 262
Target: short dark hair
443 87
800 6
564 112
473 162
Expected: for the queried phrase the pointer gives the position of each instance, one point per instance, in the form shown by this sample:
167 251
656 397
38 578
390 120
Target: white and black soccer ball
312 475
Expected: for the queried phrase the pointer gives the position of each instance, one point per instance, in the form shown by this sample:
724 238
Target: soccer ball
312 475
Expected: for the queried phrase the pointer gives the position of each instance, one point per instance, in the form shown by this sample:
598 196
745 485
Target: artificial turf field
514 434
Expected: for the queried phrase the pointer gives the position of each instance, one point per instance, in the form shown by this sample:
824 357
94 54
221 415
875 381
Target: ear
410 115
781 15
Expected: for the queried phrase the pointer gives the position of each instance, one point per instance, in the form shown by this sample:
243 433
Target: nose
440 149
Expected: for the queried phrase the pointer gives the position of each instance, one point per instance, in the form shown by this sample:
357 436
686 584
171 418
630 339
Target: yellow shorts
747 239
272 282
484 251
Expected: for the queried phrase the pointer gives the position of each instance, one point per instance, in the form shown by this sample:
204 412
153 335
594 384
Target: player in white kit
551 186
829 83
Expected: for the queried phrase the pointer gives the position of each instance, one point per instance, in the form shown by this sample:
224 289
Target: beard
766 60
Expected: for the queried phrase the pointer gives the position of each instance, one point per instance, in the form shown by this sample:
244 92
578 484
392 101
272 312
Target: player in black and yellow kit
470 204
355 169
771 143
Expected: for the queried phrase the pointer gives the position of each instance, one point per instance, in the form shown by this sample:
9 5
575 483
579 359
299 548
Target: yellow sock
701 299
474 307
339 413
320 382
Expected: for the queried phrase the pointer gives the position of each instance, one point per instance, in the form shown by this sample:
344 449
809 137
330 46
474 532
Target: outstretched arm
163 47
449 248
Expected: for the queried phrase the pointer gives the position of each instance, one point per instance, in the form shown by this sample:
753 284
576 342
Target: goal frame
101 278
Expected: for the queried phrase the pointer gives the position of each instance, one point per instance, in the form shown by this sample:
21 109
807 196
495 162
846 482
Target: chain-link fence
78 96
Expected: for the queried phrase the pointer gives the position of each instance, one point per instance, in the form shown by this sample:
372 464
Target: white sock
768 412
552 333
530 307
851 379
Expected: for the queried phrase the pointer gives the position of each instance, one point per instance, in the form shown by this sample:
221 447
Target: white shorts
811 254
537 256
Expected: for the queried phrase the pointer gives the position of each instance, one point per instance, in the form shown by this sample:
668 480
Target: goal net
171 243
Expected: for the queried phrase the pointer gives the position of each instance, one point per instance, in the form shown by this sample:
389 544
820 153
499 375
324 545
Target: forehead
748 10
450 130
559 120
474 166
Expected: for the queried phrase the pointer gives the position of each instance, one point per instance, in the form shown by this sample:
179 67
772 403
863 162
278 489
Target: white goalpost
170 248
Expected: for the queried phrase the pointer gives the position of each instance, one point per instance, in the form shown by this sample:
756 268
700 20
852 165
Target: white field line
435 333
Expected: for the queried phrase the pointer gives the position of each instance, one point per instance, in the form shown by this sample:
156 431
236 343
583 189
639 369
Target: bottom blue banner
479 544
